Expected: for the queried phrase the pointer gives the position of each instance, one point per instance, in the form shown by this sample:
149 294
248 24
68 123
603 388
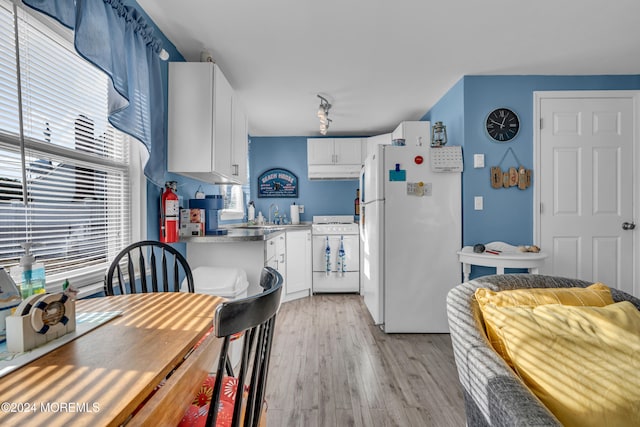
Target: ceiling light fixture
323 115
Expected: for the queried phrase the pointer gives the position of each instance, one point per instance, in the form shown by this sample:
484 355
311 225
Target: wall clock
502 124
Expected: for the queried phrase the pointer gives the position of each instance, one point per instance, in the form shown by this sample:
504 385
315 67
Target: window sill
227 214
84 291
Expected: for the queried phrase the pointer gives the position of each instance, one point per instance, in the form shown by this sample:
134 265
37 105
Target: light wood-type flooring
330 366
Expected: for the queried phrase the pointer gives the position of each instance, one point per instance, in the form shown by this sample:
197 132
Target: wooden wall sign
277 183
512 177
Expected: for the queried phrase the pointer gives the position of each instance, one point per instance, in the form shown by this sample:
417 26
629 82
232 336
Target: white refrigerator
410 225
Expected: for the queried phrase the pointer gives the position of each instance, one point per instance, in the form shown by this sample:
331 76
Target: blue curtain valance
118 40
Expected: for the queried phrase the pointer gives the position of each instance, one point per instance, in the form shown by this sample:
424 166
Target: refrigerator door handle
362 207
361 220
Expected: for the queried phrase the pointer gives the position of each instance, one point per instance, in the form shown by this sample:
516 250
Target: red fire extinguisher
169 213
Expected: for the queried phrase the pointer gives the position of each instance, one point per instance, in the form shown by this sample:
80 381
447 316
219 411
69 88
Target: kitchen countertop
245 233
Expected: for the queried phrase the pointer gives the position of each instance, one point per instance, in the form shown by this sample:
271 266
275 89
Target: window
233 196
234 199
76 166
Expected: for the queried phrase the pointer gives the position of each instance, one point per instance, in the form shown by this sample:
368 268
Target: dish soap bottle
29 275
251 216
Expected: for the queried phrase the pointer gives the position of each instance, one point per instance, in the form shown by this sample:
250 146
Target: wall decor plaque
277 182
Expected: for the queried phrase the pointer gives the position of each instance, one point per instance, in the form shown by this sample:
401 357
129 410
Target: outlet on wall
301 208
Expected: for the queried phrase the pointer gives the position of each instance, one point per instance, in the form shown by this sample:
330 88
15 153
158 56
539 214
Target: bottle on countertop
29 275
356 205
251 212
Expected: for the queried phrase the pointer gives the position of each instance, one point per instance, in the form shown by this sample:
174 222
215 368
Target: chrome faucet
272 205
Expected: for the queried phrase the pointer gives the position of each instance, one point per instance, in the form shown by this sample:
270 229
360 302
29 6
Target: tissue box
192 222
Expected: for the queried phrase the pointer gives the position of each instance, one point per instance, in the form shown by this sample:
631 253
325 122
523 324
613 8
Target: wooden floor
330 366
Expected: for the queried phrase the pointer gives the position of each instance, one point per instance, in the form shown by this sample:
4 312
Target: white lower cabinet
298 266
275 256
289 253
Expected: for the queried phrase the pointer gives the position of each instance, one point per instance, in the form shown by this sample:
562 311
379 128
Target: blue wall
318 197
508 213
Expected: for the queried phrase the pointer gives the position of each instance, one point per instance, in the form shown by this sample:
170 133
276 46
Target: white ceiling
380 62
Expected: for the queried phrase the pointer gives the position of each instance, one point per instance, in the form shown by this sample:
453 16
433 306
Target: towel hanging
341 258
327 256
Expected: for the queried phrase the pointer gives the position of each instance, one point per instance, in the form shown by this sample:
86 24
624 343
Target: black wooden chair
255 317
147 266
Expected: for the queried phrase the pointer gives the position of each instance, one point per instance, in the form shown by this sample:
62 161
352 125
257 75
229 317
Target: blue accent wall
508 213
318 197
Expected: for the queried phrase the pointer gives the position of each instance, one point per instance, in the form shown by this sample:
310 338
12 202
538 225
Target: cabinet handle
235 170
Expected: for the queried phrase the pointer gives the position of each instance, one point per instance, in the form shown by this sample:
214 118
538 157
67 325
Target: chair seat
196 415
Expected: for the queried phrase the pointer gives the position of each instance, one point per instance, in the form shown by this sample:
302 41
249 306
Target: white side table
510 257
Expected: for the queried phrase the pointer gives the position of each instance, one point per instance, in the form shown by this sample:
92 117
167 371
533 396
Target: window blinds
76 163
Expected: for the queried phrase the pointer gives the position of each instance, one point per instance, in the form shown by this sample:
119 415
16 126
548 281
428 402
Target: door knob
628 225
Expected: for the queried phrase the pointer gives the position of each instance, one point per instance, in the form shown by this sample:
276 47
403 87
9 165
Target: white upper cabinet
239 149
334 158
200 128
320 151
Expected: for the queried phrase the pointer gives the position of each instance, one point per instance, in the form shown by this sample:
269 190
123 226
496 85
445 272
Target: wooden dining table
110 375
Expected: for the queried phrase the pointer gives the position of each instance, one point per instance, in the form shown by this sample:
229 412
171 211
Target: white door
586 187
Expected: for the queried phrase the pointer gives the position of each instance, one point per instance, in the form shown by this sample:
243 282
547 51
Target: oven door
351 245
327 278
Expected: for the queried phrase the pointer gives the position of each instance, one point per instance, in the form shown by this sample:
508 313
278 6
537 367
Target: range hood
210 177
335 172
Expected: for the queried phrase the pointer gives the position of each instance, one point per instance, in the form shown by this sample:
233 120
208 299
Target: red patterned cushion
229 387
196 415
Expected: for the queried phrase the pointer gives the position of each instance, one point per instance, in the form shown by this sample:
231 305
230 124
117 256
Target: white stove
336 254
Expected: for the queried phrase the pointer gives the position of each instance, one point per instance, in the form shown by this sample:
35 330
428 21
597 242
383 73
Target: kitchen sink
261 227
271 227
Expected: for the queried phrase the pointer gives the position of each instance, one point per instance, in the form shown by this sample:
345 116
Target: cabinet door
320 151
298 261
348 151
222 124
281 258
190 114
239 149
